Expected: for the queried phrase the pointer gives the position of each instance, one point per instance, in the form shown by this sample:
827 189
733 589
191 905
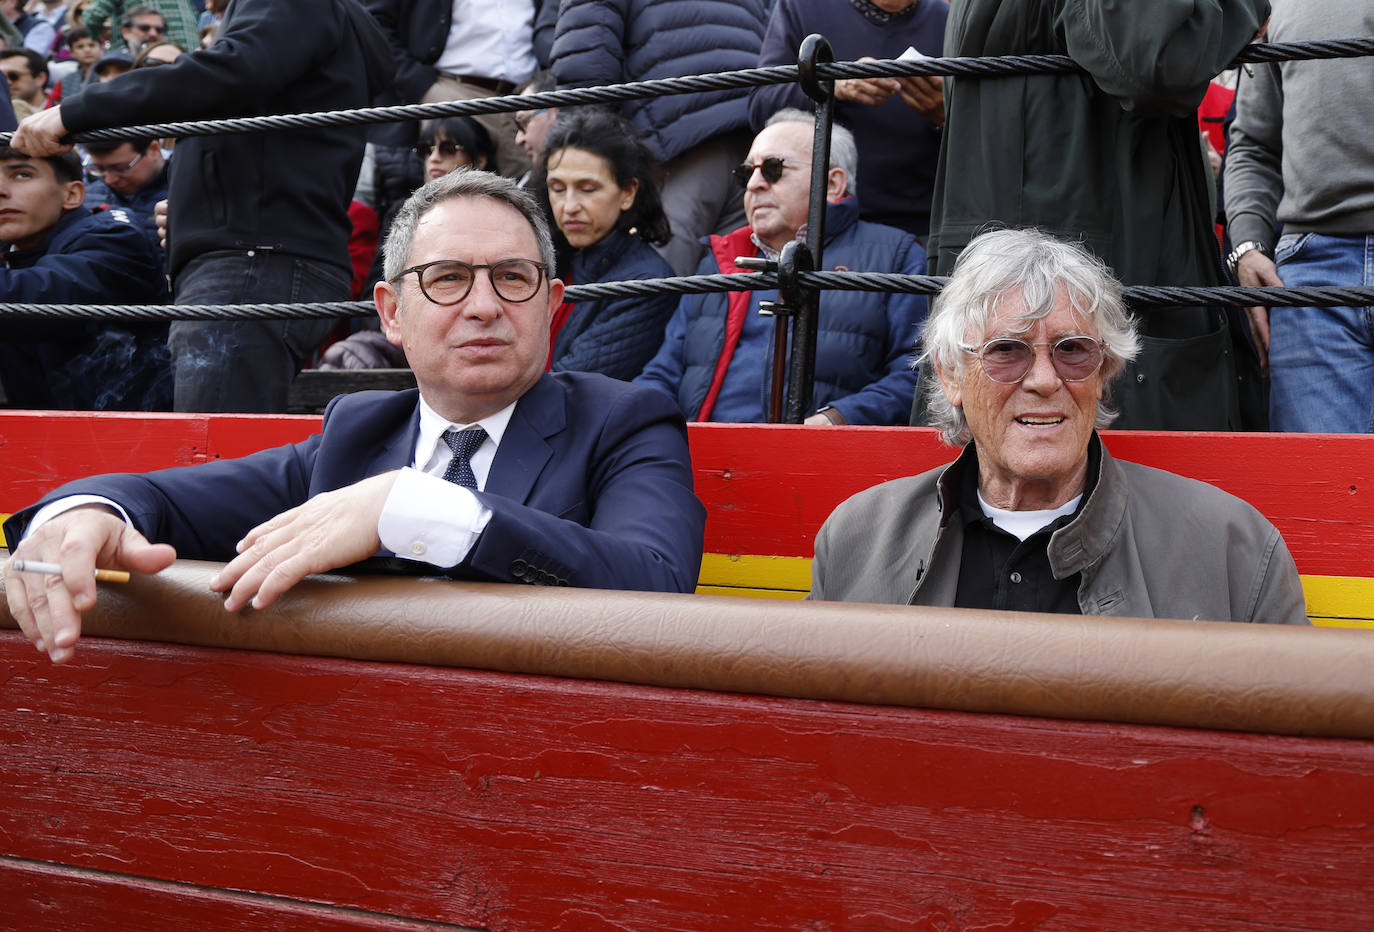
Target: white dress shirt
490 39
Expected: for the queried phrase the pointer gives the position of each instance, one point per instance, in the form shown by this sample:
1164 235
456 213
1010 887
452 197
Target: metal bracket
815 50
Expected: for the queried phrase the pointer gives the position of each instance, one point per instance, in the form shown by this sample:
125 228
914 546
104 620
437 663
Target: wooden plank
518 802
43 897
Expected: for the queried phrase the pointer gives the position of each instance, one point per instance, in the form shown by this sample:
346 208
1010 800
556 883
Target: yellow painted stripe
1332 601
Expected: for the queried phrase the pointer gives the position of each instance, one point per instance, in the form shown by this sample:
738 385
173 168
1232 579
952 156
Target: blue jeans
247 366
1321 359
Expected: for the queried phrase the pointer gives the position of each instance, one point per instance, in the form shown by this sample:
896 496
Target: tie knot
464 443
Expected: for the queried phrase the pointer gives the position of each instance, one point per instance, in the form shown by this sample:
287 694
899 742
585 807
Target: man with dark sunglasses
1035 514
493 469
140 23
716 357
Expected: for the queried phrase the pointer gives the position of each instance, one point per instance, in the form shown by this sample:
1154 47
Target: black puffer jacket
610 41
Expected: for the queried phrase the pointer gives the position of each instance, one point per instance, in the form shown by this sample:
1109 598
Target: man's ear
73 194
555 295
388 303
835 183
951 385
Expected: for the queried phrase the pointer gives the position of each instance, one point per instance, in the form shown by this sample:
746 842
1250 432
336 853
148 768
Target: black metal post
815 49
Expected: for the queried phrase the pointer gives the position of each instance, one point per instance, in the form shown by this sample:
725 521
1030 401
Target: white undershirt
1022 524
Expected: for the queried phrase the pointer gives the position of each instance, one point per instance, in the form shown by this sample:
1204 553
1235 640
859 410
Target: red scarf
726 248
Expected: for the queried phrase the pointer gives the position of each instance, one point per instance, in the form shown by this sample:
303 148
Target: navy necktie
463 443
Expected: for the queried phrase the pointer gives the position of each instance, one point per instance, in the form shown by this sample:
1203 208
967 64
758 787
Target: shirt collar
433 426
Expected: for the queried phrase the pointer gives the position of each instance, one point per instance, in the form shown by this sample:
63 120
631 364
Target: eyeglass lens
149 27
522 120
449 281
771 169
446 149
1008 360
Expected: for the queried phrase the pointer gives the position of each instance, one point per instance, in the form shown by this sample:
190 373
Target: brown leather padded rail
1263 678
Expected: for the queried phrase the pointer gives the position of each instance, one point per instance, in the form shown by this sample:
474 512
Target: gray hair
844 151
1039 270
456 184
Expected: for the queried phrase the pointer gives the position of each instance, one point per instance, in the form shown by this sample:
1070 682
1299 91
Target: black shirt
999 571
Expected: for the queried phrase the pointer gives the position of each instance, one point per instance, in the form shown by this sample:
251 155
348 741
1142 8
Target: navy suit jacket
591 486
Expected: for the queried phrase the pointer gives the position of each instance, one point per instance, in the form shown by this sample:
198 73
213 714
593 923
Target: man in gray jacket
1035 514
1302 155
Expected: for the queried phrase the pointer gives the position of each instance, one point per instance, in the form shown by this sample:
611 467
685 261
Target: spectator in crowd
895 120
493 470
1302 155
130 176
452 50
138 23
60 253
698 137
450 143
86 51
45 27
717 351
1035 514
162 52
111 66
252 218
212 14
1110 158
604 198
532 126
27 73
11 16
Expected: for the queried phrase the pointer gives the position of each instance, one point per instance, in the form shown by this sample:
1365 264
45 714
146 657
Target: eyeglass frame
981 349
772 166
522 123
149 28
420 278
119 169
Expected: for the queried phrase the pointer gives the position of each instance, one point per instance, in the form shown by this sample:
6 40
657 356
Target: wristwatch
1250 245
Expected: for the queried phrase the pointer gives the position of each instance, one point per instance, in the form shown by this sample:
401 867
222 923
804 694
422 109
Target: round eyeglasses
448 281
1006 360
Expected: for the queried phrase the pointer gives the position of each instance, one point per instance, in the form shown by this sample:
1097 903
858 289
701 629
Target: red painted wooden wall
768 488
158 787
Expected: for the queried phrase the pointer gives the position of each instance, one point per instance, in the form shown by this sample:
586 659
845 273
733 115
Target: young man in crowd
61 253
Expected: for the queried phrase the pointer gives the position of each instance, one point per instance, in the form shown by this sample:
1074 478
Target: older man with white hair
1035 514
717 354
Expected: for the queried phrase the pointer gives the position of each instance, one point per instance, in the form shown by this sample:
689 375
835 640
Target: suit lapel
525 451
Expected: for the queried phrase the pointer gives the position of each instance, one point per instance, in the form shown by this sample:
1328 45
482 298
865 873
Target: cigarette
52 569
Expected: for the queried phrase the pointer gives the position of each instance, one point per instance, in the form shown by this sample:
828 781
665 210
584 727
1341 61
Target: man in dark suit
494 470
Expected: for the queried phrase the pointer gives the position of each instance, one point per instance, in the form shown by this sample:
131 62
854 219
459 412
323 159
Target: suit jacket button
518 568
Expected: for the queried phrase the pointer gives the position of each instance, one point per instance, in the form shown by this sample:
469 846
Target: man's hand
1256 270
160 218
41 134
48 608
331 530
867 91
925 95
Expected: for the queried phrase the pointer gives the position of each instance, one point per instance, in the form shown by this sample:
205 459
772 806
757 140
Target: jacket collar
1086 539
593 262
525 451
839 217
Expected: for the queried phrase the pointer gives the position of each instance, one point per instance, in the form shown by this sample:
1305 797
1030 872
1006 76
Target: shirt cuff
431 520
54 508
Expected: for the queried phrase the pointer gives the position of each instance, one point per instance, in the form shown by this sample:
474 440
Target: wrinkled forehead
473 230
1010 314
788 141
